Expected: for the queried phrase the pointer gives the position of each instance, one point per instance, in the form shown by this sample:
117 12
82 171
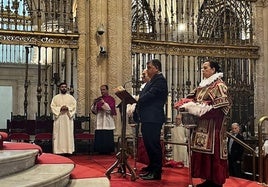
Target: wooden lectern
121 162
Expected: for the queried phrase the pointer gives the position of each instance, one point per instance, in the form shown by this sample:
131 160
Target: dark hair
106 86
214 64
156 63
62 83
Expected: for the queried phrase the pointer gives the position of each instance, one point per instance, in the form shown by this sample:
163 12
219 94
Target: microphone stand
124 85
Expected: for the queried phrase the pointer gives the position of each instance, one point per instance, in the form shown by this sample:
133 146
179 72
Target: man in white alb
63 107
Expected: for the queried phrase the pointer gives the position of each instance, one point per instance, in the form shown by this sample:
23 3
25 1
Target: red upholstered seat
43 136
3 135
44 140
19 137
84 136
83 142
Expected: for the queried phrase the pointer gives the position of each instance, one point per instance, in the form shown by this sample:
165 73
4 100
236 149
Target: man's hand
64 109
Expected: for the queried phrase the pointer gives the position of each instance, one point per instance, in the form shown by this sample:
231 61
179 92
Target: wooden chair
44 140
17 124
43 125
82 137
84 142
78 124
43 133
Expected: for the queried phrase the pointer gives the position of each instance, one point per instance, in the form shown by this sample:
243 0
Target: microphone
124 85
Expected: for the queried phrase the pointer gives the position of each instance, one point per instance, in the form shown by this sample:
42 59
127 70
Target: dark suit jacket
150 106
236 149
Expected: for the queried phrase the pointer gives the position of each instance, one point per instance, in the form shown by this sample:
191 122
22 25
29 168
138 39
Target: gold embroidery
203 137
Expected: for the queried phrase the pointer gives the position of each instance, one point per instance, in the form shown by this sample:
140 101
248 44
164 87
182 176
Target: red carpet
88 166
92 166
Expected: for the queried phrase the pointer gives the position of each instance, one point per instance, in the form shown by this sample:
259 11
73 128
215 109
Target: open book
121 92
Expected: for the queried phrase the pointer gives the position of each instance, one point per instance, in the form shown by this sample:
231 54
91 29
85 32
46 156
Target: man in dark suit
235 152
150 113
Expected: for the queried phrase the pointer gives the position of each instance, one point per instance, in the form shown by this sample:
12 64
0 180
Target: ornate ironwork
42 39
201 50
26 83
182 34
50 28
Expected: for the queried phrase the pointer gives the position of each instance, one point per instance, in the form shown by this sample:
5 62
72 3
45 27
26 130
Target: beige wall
14 75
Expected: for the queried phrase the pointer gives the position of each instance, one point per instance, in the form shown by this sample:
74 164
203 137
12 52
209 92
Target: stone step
40 175
21 168
14 161
99 182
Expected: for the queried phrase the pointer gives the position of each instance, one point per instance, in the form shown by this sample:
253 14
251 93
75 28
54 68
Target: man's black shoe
144 171
143 174
152 176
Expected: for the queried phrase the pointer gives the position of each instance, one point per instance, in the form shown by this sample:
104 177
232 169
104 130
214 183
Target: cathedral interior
87 43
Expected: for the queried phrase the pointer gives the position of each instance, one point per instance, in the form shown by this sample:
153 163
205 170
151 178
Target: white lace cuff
196 109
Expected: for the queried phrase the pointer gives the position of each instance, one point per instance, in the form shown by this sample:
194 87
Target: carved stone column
82 13
118 46
265 51
94 69
261 91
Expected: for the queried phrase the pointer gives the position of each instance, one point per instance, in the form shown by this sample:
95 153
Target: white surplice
105 120
179 135
63 127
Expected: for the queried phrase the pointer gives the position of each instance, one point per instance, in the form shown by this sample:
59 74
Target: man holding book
150 113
